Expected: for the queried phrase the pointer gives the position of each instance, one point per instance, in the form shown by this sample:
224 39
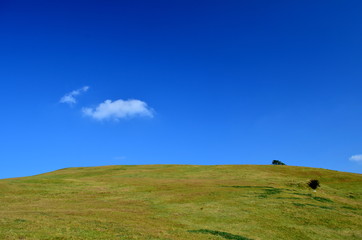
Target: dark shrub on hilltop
277 162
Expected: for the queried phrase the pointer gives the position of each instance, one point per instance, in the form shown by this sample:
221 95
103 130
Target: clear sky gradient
188 82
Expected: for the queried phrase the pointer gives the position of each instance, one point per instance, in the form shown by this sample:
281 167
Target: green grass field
182 202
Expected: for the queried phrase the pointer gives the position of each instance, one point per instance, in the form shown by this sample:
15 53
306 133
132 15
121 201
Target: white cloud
356 158
119 109
70 97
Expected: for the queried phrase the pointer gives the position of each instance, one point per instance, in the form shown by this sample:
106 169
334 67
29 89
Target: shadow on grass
288 198
20 220
273 191
270 191
350 208
320 199
311 205
248 187
220 234
303 194
267 190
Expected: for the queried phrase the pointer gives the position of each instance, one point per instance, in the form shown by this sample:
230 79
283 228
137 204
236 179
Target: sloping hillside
182 202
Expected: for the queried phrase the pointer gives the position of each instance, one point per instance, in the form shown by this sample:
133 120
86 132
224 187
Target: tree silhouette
313 184
277 162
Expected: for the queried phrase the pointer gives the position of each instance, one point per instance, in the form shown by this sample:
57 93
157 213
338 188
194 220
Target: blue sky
90 83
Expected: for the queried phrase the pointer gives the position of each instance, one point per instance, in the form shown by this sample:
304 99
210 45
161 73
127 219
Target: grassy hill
182 202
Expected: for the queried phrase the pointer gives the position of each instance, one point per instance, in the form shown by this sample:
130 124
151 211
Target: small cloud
119 109
70 97
356 158
119 158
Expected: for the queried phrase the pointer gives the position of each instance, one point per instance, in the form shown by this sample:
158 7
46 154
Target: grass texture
182 202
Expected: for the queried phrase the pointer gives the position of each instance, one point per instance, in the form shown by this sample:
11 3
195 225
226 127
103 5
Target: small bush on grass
313 184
